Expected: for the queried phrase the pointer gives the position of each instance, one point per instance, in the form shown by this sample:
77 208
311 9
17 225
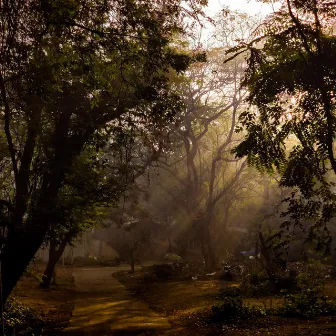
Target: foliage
172 257
163 271
34 272
74 75
20 319
308 304
228 291
290 125
233 309
256 284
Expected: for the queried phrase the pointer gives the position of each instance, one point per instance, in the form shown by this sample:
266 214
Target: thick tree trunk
18 253
264 250
209 255
207 246
54 256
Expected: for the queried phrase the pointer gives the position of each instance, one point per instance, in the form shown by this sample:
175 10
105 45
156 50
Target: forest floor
187 306
183 307
103 306
55 304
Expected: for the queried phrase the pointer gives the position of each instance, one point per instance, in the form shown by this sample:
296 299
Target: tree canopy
71 73
290 124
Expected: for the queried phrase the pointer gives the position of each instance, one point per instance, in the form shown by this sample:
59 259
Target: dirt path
104 307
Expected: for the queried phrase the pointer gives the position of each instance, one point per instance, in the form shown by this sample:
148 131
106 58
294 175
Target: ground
187 306
54 305
104 307
90 301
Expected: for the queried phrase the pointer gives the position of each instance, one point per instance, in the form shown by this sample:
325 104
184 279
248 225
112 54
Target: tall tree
200 161
290 125
68 70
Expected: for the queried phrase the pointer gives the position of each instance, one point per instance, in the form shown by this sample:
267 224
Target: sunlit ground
105 306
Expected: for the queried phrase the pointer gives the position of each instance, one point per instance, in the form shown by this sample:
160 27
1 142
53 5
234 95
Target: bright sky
249 6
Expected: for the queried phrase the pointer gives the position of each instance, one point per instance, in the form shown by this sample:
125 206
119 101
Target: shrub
172 257
233 309
20 319
309 304
163 271
258 284
86 261
228 291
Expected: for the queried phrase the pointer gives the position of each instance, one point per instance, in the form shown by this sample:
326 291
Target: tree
290 125
129 228
70 70
82 203
207 175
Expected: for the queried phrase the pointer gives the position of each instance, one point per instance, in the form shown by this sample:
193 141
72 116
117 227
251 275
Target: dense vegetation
117 122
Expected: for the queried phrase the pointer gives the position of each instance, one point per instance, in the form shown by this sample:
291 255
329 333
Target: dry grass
187 305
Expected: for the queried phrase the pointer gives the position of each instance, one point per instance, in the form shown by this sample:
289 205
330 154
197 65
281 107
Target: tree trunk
132 265
18 253
132 260
209 255
265 252
207 247
54 256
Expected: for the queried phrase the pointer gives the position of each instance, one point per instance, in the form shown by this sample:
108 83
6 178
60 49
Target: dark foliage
233 309
291 125
21 320
308 304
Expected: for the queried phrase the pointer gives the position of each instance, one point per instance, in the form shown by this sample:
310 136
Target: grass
187 305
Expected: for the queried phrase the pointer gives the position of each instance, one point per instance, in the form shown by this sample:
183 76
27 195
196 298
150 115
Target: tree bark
132 264
54 256
18 253
208 252
206 245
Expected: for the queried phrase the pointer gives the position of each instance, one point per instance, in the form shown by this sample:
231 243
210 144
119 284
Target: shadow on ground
104 307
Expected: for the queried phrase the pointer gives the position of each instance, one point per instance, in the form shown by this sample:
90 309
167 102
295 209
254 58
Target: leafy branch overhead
290 125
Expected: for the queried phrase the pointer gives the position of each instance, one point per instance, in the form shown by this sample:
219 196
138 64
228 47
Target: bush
86 261
307 305
258 284
20 319
172 257
233 309
228 291
163 271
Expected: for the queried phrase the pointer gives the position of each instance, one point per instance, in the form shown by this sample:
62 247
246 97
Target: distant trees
71 73
290 124
128 229
206 176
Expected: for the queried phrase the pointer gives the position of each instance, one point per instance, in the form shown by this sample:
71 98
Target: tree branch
7 126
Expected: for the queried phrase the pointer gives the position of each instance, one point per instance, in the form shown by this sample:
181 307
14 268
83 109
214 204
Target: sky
249 6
